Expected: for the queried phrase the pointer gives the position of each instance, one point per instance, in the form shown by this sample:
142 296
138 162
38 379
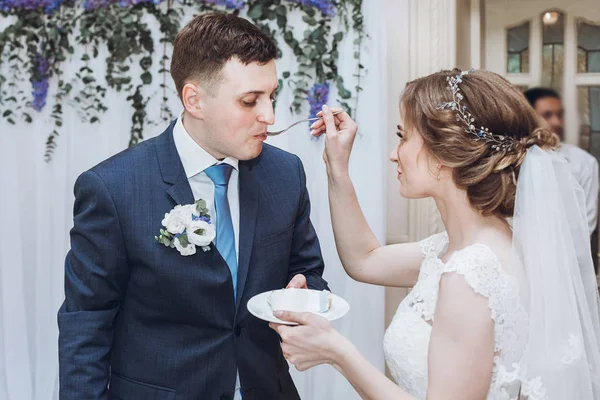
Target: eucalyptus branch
43 37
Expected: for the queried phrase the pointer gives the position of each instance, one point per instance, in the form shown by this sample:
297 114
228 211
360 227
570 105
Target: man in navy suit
142 321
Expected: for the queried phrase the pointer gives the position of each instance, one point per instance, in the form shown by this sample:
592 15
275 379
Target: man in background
584 167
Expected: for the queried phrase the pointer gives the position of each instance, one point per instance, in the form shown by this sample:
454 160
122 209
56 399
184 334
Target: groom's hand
298 282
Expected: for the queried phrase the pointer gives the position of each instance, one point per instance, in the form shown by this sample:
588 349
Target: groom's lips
261 136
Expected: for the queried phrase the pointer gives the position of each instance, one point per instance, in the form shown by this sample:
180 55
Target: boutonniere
187 226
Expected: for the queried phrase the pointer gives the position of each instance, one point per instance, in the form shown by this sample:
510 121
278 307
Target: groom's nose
266 114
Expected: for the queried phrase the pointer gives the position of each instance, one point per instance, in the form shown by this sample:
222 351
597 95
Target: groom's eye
248 103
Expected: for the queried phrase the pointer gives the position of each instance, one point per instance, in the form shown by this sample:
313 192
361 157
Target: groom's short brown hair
207 42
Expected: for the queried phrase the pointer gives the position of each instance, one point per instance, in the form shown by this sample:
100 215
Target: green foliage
124 34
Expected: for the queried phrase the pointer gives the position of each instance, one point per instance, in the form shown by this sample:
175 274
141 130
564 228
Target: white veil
559 356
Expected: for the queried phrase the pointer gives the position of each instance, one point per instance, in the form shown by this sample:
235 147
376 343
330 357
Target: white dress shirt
195 160
584 168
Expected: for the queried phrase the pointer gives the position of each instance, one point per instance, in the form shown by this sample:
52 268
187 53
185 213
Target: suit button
238 330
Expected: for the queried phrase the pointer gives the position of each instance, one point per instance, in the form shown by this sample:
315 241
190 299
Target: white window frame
498 15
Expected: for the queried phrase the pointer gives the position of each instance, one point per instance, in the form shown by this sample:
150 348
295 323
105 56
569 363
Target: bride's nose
394 156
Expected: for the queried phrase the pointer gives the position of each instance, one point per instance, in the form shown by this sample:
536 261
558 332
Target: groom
143 321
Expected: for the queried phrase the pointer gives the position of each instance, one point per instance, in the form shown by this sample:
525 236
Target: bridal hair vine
498 142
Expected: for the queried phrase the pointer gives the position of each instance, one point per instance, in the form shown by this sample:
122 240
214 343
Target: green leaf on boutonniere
201 207
183 240
166 234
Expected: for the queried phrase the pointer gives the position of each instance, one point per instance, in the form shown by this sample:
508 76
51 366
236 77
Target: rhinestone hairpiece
498 142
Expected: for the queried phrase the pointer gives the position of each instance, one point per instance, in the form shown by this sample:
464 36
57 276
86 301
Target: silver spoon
296 123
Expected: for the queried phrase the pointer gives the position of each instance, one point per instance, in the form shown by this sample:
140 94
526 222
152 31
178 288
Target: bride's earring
439 166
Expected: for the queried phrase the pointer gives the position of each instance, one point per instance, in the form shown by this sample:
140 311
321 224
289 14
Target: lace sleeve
434 245
484 274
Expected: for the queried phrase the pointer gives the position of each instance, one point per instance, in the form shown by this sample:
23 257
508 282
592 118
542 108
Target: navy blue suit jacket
142 322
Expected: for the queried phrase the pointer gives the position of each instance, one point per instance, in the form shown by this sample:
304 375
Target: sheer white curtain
36 200
364 324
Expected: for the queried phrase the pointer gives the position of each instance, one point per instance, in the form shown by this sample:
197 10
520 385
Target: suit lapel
181 192
171 168
248 184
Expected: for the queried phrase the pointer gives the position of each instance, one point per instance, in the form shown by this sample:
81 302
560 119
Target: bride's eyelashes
399 132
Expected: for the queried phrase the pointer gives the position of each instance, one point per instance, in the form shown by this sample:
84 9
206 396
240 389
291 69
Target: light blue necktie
225 239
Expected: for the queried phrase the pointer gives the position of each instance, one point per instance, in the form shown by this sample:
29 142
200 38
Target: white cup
300 300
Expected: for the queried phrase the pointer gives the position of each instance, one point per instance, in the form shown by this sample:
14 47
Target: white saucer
259 307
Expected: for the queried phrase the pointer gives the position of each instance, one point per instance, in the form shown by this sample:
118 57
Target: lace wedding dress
406 341
543 296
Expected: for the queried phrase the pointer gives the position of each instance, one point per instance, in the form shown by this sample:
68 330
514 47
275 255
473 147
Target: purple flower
40 92
201 218
49 6
235 4
94 4
40 82
52 5
324 6
232 4
43 65
317 97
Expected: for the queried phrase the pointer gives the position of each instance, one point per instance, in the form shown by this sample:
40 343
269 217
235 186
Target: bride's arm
315 342
366 379
363 258
460 358
461 350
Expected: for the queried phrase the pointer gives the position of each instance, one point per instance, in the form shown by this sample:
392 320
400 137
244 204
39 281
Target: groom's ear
192 97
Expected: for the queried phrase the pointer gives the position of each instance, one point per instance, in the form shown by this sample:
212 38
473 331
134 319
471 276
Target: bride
498 310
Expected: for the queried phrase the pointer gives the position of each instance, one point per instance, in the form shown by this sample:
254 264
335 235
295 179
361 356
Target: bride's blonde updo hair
488 176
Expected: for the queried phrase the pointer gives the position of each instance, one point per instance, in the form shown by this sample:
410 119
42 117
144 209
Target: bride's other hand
340 131
312 342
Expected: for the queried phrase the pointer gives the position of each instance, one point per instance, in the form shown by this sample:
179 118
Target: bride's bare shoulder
498 241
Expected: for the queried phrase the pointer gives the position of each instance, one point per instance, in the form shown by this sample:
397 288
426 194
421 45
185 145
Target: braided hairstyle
488 176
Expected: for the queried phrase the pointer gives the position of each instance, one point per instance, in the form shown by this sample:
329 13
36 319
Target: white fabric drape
36 200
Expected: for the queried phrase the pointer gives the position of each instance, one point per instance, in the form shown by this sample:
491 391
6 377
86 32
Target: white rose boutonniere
187 226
